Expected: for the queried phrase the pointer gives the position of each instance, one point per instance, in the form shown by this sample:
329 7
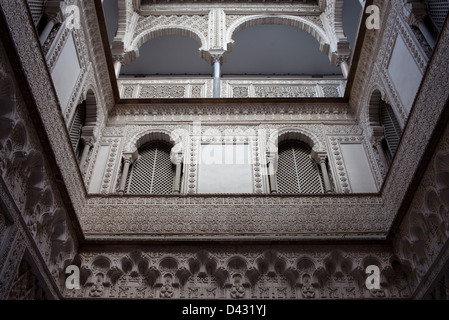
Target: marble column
376 140
127 158
327 183
88 144
54 15
117 68
272 177
177 183
217 78
345 69
380 150
46 32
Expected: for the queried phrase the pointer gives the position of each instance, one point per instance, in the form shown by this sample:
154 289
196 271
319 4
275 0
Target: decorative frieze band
306 272
234 217
165 89
255 88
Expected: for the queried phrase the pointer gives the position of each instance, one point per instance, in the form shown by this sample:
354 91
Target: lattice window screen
297 172
392 129
76 127
153 172
37 9
438 10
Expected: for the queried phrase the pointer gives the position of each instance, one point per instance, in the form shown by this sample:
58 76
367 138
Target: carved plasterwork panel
26 173
282 88
231 217
110 170
165 88
424 232
256 88
306 272
230 7
197 22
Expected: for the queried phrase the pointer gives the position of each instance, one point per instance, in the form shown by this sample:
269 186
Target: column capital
118 58
341 59
176 158
128 157
215 55
217 58
271 156
342 54
89 141
319 156
177 153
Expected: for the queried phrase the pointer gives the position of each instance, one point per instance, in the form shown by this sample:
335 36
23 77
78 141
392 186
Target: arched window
82 130
153 172
76 127
297 172
392 129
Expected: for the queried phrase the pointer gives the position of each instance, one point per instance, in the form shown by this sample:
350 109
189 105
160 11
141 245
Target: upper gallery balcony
218 49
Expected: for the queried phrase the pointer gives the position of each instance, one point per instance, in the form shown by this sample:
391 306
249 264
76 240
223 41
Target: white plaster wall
66 72
98 172
225 169
404 73
358 169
